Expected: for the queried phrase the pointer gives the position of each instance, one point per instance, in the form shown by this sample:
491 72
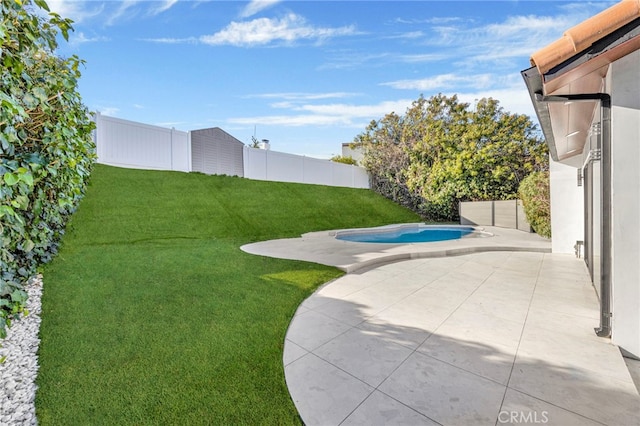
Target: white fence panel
282 167
135 145
316 171
255 163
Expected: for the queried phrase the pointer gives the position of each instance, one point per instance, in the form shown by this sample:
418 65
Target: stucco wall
567 213
625 120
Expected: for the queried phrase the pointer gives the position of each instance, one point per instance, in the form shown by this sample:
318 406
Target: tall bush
445 151
46 149
534 193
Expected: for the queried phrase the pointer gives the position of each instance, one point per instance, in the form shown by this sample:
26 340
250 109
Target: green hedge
46 149
534 193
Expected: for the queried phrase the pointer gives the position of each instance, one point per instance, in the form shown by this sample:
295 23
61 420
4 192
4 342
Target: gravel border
19 370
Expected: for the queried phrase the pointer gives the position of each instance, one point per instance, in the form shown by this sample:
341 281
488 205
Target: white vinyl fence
282 167
129 144
134 145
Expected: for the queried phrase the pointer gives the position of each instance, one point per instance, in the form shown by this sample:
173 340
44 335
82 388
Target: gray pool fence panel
130 144
283 167
504 214
216 152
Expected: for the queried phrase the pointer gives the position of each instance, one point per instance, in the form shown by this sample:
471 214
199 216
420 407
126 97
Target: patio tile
292 352
479 271
577 326
315 300
500 307
577 306
444 393
519 408
311 330
403 327
381 410
584 293
366 356
571 352
322 393
469 324
346 311
598 397
488 360
345 285
373 300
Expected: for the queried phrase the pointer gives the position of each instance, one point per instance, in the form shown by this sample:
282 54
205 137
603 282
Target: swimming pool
402 234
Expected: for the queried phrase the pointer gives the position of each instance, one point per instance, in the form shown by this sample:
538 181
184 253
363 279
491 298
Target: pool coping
322 247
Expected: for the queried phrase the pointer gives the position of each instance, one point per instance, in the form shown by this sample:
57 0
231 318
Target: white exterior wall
567 211
625 120
282 167
126 143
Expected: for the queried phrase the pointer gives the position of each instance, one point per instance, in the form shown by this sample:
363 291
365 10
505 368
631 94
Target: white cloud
110 111
345 115
513 38
293 120
256 6
354 59
80 38
444 81
423 57
373 111
123 11
75 10
169 40
297 96
162 7
263 31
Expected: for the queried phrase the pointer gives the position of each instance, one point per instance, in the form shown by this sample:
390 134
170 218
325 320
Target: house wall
625 120
357 153
126 143
567 212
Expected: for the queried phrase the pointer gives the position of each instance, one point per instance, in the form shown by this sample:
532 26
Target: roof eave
533 80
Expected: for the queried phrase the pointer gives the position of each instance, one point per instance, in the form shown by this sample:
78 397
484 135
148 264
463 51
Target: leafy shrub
446 151
46 149
344 160
534 193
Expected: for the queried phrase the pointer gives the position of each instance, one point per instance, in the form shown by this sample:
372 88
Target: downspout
605 261
605 181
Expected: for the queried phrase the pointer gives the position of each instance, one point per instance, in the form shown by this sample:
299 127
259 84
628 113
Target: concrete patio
483 337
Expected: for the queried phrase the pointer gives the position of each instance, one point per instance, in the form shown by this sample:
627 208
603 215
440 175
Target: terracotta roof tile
583 35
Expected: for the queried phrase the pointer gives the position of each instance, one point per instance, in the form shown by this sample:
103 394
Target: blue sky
307 75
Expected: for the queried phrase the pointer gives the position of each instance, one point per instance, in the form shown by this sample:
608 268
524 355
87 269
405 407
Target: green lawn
153 315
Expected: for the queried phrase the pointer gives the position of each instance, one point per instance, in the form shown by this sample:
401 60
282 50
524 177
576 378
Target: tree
444 151
46 149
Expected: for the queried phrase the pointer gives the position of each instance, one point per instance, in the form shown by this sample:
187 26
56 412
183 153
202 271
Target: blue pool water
407 234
